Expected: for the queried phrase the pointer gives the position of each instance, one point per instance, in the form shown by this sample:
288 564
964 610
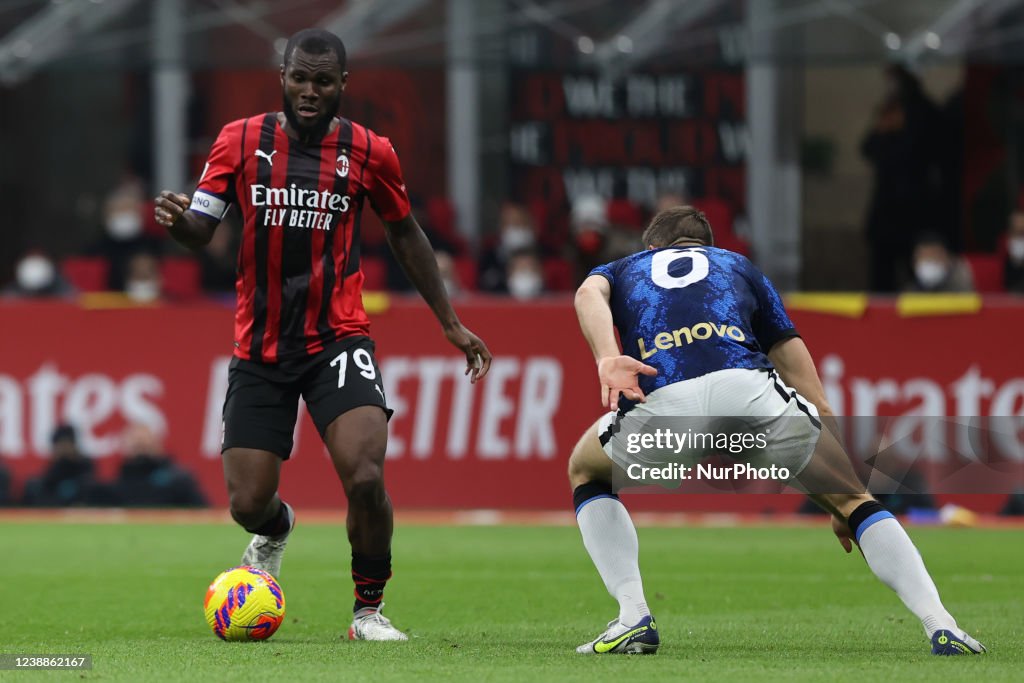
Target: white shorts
762 421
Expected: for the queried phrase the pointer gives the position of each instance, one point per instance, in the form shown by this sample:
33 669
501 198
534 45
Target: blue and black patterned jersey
689 311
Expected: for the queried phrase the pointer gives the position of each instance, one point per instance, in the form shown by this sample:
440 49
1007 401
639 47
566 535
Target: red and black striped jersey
299 284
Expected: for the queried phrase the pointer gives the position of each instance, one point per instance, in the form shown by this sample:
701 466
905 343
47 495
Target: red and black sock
370 574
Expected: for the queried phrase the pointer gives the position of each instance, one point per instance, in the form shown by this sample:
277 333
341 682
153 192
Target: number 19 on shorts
362 360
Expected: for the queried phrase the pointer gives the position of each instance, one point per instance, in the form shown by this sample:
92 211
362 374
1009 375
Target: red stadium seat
558 275
86 273
441 221
181 278
375 273
466 267
718 212
732 243
987 270
540 211
625 214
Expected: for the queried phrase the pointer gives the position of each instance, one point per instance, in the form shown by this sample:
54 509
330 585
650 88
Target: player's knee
365 486
249 508
584 468
578 472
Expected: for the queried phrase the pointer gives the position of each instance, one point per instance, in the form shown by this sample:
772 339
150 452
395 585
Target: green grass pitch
506 604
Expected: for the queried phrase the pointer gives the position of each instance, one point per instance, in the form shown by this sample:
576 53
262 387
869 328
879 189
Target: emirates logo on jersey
342 165
296 207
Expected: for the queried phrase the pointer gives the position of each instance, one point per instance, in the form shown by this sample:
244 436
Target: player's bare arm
414 253
617 372
188 228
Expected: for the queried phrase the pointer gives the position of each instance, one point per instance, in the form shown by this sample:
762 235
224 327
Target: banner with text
500 444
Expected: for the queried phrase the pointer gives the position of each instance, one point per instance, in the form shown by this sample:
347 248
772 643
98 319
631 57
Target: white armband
209 205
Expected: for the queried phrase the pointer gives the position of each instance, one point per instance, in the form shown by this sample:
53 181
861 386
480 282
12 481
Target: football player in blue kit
705 335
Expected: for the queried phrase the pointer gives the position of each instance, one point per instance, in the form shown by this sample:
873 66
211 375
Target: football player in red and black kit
301 178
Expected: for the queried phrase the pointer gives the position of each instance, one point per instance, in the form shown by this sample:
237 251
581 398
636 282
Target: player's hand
620 375
169 206
842 532
478 358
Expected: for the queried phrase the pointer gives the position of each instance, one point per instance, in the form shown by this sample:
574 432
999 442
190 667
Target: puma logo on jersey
268 157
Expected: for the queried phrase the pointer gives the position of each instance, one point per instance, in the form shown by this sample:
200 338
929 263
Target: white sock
610 538
894 559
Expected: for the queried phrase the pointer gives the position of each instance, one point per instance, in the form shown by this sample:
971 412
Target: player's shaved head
316 41
678 223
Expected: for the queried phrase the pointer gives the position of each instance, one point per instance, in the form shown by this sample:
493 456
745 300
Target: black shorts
262 402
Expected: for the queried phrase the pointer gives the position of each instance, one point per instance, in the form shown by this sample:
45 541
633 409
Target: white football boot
265 552
369 624
642 639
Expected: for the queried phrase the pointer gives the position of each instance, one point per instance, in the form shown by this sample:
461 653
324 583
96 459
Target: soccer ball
244 603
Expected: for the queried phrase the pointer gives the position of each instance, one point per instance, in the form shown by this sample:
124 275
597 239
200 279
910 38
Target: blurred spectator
669 200
515 233
622 212
438 221
525 275
219 260
124 237
901 146
948 210
625 225
1014 506
5 486
1013 272
936 269
148 477
449 273
590 232
36 275
69 478
142 278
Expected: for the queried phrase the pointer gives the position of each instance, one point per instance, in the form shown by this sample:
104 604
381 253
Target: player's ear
344 80
282 75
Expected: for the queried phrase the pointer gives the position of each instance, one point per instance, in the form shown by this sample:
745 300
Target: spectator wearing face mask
936 269
1013 272
124 235
142 280
515 233
37 276
590 226
524 275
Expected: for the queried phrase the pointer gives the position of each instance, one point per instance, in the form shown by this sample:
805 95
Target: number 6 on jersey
663 259
361 357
